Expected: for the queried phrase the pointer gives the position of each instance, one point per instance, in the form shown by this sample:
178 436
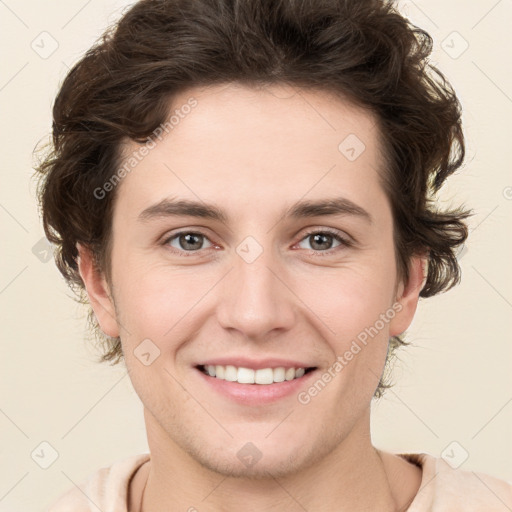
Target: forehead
263 144
278 114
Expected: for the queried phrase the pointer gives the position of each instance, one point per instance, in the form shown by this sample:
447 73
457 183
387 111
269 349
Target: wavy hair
363 50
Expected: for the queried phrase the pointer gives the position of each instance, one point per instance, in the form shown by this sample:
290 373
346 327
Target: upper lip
256 364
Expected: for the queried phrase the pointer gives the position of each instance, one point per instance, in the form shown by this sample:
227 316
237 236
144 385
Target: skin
254 152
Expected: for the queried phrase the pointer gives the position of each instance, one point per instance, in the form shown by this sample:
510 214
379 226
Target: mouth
255 377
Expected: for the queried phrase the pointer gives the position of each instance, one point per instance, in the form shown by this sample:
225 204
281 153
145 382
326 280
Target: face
255 277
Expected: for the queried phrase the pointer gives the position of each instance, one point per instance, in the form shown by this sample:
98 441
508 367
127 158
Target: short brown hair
363 50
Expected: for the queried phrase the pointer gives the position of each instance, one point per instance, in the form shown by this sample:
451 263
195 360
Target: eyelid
331 231
344 239
194 231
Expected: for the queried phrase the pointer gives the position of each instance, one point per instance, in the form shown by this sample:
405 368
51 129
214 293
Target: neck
352 478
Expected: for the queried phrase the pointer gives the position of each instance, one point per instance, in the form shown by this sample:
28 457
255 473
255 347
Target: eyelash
344 242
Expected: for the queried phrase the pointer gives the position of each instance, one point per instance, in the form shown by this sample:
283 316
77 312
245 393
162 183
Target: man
241 192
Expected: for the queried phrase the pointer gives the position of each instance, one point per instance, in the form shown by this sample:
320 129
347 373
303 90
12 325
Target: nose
255 298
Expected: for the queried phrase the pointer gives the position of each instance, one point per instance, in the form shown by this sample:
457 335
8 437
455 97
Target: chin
256 455
253 464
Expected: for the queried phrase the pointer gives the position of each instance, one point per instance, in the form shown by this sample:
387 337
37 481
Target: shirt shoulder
445 489
105 489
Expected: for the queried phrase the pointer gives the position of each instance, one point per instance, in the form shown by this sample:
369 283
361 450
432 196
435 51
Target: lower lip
257 394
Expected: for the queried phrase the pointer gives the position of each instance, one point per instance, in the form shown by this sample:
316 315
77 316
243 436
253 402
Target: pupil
186 238
320 236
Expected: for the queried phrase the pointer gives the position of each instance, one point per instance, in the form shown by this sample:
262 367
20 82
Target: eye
186 241
322 240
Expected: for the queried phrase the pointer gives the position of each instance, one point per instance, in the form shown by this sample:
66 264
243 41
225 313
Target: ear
98 292
408 295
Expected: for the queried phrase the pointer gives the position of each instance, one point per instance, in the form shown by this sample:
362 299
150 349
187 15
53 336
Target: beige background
453 384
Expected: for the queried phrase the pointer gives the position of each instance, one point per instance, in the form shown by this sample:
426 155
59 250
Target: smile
262 376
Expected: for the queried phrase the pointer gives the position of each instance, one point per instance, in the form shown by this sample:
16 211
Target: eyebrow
170 207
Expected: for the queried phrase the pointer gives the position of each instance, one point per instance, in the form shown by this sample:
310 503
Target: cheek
349 300
355 310
155 302
361 323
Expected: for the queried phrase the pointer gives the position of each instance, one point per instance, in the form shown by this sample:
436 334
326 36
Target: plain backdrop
62 416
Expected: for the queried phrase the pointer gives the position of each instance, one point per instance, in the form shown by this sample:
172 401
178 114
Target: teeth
219 371
245 376
264 376
299 372
279 374
249 376
290 374
231 373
